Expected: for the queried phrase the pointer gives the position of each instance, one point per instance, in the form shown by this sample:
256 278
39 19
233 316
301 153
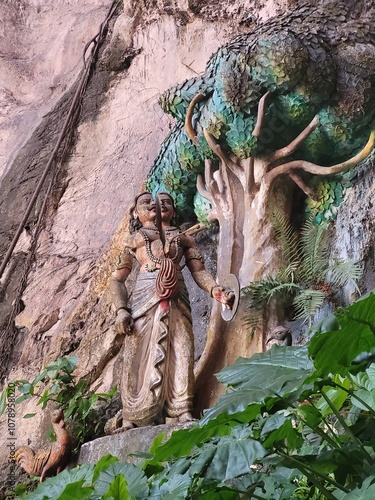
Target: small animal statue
49 462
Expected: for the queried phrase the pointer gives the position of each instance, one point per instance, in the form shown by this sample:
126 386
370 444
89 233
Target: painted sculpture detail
49 462
157 380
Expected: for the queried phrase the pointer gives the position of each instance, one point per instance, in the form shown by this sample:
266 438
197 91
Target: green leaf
175 488
135 478
118 489
365 492
234 455
76 491
182 441
334 352
23 398
273 422
53 487
29 415
310 415
157 442
307 302
286 435
277 371
336 395
103 464
236 407
26 388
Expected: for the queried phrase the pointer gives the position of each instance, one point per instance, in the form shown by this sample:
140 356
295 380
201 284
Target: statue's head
168 210
143 210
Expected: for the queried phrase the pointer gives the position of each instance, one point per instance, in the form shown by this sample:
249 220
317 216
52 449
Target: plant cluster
308 278
57 384
296 422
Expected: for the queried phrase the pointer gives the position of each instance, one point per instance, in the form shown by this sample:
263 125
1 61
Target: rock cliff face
150 46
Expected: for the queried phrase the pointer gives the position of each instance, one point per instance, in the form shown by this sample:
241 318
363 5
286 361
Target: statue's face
145 209
167 207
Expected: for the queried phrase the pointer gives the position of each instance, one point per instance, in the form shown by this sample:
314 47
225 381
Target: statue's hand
223 295
124 322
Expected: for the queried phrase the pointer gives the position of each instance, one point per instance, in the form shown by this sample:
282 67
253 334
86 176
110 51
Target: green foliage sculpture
276 109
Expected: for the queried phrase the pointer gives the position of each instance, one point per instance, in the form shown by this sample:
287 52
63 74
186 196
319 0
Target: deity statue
158 380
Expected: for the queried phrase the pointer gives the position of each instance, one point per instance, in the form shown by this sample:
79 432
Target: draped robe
158 374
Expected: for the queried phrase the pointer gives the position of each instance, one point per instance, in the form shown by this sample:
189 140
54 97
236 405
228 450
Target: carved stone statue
158 379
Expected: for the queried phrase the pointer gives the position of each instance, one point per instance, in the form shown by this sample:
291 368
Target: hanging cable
96 41
8 335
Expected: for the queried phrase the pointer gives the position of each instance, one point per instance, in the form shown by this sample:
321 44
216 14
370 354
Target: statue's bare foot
185 417
116 424
126 425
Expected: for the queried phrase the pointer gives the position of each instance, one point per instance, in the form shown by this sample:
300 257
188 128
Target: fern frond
307 303
343 272
286 236
261 292
253 320
289 272
314 249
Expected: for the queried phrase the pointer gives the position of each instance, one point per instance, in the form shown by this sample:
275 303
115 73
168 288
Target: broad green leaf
217 492
157 442
279 485
334 352
273 422
175 488
135 478
23 398
182 441
234 455
274 369
236 406
103 464
365 492
53 487
367 396
310 415
287 435
76 491
336 395
118 489
264 377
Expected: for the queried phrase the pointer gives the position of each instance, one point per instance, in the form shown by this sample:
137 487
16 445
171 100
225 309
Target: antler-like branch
189 117
215 147
209 178
227 162
261 114
301 184
290 148
219 180
201 187
314 169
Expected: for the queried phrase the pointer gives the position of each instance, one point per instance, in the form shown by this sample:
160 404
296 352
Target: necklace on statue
166 285
157 260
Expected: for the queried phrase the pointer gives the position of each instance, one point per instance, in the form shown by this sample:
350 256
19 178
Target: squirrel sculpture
51 461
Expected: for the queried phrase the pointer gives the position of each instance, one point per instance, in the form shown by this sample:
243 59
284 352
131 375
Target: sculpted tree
274 110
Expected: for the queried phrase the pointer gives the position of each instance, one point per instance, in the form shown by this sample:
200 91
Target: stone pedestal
122 445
